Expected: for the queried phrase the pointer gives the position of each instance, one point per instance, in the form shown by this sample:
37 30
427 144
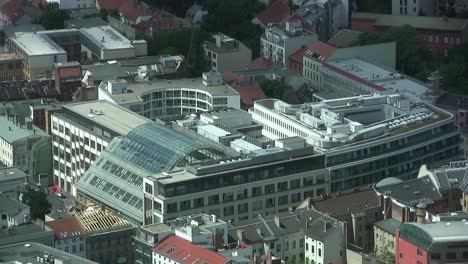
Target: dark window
270 188
419 252
465 255
451 255
435 256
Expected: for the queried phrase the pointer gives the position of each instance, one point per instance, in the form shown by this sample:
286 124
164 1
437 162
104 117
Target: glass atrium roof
157 148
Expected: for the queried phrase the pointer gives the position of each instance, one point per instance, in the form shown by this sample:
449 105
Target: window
213 199
435 256
465 255
172 207
282 186
319 252
148 188
451 255
198 202
419 252
270 188
295 184
185 205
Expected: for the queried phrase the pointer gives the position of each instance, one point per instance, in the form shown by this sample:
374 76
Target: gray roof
388 225
8 174
434 235
10 132
432 23
111 116
290 223
19 253
24 233
11 206
411 192
344 38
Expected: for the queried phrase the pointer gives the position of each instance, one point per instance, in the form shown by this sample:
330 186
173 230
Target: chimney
241 235
309 203
325 227
277 221
421 213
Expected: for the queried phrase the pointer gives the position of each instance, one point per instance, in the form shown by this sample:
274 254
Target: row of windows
447 39
280 123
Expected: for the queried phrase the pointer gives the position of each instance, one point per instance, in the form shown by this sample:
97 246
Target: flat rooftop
29 252
107 114
8 174
36 44
139 88
106 38
383 79
12 132
427 22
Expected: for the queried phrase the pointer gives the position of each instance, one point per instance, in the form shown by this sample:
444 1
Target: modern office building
225 53
24 146
279 41
42 49
365 138
80 132
171 99
36 253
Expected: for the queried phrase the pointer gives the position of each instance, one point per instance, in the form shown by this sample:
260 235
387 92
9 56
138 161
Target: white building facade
280 41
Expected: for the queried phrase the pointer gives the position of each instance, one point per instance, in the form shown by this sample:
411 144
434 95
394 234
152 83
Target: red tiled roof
275 13
13 9
297 56
131 10
109 4
182 251
248 91
323 49
67 225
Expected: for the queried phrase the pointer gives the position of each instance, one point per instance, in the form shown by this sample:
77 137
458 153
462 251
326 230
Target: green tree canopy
454 70
412 57
52 17
37 201
272 88
103 13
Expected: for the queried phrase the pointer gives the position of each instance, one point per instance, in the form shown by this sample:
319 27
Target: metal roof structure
95 221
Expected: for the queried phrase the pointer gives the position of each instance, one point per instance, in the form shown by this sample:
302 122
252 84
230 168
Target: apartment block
279 41
224 53
80 132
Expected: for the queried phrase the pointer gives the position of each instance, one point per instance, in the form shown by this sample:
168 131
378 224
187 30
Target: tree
272 88
412 57
454 70
103 13
114 13
52 16
38 203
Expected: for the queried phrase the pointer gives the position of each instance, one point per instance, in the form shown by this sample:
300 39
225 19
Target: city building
309 61
434 191
362 77
277 12
69 235
173 249
67 79
25 234
324 241
41 113
11 180
24 146
42 49
359 208
36 253
146 237
27 90
414 8
289 235
363 143
437 33
323 17
11 67
108 237
13 212
224 53
115 180
432 242
249 90
384 236
279 41
80 132
171 99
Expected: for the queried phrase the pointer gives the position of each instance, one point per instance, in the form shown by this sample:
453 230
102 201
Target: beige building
384 236
11 67
225 53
